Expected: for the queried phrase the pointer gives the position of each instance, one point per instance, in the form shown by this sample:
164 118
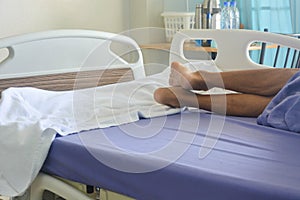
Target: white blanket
30 119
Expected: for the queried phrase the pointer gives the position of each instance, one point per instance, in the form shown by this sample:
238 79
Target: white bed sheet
30 119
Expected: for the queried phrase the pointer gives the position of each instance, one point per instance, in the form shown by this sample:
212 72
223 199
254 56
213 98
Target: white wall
181 5
23 16
146 13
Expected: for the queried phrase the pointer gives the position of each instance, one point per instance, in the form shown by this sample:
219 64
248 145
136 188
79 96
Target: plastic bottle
216 21
235 15
226 16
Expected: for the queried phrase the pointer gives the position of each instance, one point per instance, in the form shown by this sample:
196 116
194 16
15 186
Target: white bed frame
61 51
233 46
232 55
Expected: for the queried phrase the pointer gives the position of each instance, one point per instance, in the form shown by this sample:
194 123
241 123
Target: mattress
160 158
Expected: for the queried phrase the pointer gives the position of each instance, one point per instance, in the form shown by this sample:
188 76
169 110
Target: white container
175 21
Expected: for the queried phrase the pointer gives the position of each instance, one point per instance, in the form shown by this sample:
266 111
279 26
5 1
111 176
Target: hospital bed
192 155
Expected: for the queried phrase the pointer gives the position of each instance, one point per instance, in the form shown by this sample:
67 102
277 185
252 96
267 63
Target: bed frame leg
45 182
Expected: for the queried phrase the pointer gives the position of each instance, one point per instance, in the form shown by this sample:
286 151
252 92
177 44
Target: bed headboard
232 45
53 59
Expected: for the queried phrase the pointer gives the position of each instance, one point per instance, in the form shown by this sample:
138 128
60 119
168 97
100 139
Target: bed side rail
232 46
60 51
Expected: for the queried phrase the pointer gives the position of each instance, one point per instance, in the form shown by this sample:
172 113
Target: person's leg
231 104
263 82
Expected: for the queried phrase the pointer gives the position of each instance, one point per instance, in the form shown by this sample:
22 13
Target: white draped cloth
30 118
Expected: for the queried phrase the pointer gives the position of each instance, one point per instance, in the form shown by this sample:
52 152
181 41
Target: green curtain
272 14
278 16
295 7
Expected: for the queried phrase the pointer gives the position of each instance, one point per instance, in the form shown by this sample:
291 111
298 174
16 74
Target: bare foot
167 97
183 77
175 97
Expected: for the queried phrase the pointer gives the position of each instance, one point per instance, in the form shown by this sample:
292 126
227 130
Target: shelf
187 46
193 47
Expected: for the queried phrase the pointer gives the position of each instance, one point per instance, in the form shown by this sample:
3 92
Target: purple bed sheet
248 161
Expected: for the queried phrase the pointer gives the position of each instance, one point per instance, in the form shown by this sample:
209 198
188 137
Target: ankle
199 80
166 97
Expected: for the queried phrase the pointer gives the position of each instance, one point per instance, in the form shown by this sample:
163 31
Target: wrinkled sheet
283 111
30 118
